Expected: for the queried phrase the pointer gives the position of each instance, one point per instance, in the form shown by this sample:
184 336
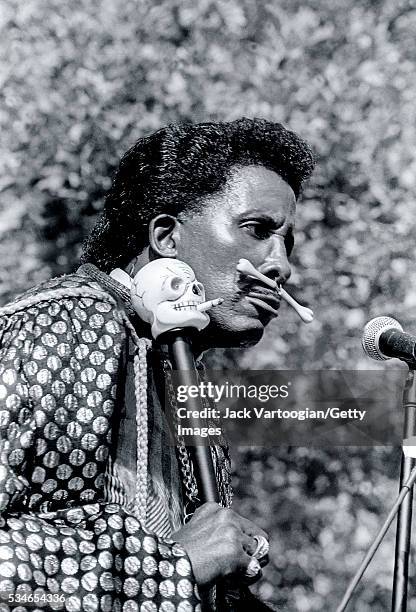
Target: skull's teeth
185 306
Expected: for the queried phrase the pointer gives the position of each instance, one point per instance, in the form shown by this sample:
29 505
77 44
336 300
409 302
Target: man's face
252 219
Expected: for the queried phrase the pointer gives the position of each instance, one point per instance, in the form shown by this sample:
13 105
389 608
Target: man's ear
164 235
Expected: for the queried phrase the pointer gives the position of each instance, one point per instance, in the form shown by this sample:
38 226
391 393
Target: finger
251 528
207 509
250 569
262 548
249 544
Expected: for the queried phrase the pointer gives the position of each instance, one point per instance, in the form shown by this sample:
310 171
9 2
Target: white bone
306 314
245 267
207 305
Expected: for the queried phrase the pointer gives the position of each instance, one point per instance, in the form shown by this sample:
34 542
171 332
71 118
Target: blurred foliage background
82 80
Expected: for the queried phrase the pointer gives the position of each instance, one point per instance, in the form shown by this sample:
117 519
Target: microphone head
372 333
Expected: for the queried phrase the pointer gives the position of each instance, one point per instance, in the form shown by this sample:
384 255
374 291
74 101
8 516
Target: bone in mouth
207 305
199 307
245 267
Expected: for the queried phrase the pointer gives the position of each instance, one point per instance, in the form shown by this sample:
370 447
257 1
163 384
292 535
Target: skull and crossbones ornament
166 294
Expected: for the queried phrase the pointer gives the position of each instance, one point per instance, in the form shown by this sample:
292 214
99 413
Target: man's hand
219 543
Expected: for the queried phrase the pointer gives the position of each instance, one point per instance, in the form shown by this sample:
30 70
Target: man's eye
263 231
259 230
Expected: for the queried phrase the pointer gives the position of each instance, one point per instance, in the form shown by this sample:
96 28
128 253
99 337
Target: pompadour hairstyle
176 168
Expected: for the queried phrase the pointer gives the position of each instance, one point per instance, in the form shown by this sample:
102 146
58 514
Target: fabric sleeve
17 423
93 557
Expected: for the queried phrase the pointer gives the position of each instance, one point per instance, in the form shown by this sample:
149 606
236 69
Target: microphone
384 338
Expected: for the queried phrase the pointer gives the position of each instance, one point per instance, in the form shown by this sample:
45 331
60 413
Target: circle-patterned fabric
60 354
95 557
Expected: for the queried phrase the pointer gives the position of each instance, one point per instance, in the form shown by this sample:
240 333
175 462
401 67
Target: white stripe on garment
157 519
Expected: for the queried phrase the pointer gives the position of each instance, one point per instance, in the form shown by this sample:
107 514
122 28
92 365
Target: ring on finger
262 548
253 568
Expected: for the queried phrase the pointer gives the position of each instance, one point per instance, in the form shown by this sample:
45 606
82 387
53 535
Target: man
92 496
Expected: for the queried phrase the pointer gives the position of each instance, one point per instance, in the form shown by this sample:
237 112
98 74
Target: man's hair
176 168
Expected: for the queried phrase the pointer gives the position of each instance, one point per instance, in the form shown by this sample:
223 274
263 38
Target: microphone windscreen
372 333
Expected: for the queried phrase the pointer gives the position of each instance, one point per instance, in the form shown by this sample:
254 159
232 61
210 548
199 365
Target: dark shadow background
82 80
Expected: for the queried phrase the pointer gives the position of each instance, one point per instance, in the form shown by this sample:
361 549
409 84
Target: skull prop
165 293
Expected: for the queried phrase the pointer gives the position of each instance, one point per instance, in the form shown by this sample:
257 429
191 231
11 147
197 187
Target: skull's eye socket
177 283
197 289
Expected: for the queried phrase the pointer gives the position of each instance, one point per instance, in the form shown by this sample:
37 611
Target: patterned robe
62 544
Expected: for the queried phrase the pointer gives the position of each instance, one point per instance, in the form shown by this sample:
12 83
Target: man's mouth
266 300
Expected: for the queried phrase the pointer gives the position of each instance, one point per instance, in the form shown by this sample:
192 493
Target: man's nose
276 264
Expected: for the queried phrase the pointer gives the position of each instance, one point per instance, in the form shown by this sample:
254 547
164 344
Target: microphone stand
402 507
404 518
